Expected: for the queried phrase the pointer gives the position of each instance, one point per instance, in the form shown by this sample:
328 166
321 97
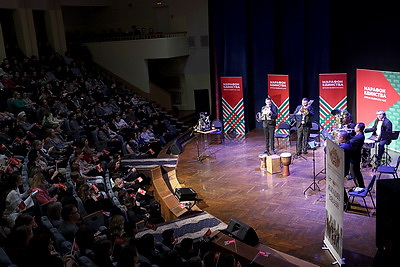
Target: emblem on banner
334 157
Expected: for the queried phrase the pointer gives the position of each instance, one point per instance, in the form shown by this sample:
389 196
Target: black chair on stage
284 133
363 193
219 131
389 169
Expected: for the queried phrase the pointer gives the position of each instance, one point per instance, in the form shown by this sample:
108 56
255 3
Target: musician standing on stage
348 124
356 144
382 124
304 113
269 113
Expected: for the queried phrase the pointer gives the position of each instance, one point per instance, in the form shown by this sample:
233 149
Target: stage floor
231 185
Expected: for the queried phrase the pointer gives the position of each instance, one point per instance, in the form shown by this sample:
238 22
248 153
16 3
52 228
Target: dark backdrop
301 38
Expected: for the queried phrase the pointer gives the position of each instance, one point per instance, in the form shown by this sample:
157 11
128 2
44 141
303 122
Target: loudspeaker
185 194
387 215
242 232
176 148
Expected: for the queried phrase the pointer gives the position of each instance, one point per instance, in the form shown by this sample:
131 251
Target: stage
231 185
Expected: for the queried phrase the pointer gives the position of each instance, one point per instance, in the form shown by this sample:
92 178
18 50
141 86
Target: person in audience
168 238
54 213
5 139
76 131
27 126
128 255
147 248
90 153
84 239
14 200
118 237
17 245
20 104
118 185
41 247
39 186
134 212
186 248
25 219
102 253
69 225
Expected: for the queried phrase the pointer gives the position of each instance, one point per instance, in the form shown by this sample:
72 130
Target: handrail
129 37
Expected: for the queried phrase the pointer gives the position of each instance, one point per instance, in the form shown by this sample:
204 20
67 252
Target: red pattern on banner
373 79
333 87
280 93
232 93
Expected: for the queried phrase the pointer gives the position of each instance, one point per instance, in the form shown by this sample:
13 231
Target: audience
71 126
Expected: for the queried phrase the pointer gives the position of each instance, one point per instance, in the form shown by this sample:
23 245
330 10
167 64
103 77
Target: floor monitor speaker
176 148
387 215
242 232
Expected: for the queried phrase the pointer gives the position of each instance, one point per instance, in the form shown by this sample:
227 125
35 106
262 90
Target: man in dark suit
381 124
269 113
304 113
356 144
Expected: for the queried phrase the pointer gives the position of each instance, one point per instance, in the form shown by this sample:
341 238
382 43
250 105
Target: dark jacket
386 127
274 116
356 143
307 118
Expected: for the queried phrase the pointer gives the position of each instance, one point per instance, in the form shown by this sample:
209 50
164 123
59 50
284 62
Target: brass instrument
265 114
304 110
258 117
340 117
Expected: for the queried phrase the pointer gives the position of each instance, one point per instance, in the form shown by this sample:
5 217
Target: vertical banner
332 95
333 237
378 90
278 91
232 105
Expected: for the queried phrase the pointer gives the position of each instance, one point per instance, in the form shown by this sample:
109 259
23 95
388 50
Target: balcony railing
129 37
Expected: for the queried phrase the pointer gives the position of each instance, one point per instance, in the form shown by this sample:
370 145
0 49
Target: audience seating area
71 193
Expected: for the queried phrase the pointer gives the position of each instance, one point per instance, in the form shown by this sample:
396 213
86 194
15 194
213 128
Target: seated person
69 225
39 185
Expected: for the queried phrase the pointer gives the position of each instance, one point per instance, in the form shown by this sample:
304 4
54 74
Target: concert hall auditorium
211 133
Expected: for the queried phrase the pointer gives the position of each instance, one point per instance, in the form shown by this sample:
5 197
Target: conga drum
263 161
286 159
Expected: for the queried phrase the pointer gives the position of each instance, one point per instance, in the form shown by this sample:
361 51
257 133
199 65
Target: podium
203 143
273 164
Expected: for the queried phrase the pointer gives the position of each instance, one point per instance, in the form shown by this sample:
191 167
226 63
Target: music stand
313 186
390 135
293 118
325 135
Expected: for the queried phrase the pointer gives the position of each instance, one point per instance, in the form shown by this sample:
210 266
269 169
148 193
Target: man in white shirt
381 124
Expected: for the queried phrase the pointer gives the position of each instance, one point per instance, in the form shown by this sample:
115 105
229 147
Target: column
25 30
2 48
55 30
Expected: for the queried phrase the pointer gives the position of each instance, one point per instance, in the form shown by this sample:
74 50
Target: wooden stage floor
231 185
